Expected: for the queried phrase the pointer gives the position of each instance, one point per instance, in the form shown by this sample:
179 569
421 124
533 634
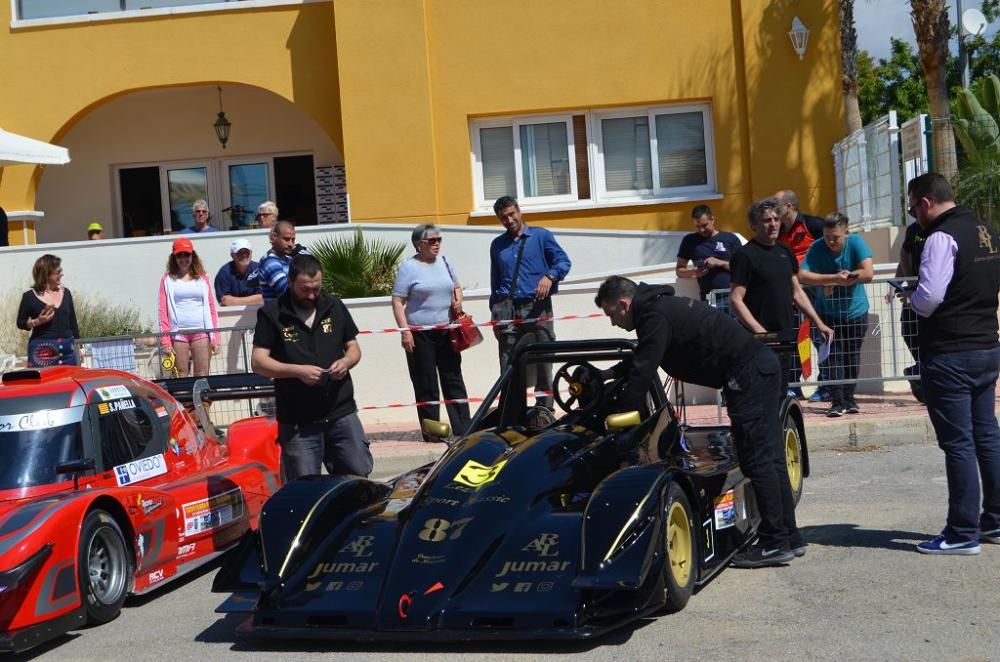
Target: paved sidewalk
886 419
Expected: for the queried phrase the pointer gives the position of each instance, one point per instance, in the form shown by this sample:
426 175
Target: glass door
184 184
246 184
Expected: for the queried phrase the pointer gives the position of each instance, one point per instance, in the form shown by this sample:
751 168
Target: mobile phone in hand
853 276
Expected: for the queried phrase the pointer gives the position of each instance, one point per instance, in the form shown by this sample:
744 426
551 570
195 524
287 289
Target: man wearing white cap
233 285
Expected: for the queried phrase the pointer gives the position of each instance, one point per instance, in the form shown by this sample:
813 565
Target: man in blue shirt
234 285
526 265
273 270
710 251
202 218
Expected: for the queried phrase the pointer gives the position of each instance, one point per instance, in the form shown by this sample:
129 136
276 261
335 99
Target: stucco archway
171 125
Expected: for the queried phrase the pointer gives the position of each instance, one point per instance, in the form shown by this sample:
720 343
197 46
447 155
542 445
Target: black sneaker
836 411
759 557
800 550
852 407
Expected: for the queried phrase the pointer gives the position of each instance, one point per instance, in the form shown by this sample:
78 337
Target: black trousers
432 358
753 395
844 361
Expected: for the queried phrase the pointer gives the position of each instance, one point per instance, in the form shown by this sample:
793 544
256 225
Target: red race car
109 487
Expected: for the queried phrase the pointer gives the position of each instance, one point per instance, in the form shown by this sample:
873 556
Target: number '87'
437 529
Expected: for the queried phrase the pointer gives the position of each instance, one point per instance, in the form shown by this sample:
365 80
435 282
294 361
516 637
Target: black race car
531 526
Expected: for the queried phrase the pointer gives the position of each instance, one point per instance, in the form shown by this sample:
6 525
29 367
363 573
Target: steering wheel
585 385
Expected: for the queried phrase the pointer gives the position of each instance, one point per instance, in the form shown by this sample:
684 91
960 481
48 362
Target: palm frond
356 268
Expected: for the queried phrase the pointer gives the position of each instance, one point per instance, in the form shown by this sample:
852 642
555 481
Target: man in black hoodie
700 345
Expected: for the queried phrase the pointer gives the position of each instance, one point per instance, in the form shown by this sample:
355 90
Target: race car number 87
437 529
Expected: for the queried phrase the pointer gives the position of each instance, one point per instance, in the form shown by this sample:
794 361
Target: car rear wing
198 390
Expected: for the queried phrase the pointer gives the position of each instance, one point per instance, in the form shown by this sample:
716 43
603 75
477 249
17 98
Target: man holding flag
765 284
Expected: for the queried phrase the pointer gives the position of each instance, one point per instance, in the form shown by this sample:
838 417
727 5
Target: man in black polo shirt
698 344
306 341
764 280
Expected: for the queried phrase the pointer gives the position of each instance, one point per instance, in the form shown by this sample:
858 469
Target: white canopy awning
15 149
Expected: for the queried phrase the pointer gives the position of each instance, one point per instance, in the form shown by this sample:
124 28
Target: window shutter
582 157
497 151
680 146
627 160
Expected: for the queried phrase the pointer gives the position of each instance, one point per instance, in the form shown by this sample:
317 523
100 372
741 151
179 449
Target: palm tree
849 65
354 267
931 28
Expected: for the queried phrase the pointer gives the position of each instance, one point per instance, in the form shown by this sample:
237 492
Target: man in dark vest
956 301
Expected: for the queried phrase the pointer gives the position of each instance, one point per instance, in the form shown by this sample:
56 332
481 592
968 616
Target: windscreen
31 445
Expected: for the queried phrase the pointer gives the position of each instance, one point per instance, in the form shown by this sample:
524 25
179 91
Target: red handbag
466 335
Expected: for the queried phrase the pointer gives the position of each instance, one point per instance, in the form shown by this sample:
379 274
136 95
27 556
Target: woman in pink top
188 319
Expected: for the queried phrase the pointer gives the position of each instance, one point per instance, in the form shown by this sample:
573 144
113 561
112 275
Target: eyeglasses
433 240
201 211
912 211
182 256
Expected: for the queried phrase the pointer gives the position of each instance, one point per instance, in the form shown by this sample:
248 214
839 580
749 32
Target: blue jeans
338 445
960 392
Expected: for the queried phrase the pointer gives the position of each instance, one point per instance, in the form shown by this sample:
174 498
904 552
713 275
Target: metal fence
879 352
143 355
868 170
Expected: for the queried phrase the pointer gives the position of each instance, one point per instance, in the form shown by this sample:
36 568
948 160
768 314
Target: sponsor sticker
156 577
148 505
105 408
358 547
213 512
140 470
709 534
725 511
474 474
161 412
40 420
186 550
114 392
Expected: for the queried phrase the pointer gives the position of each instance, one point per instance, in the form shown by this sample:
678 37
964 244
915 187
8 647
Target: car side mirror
623 421
76 467
433 428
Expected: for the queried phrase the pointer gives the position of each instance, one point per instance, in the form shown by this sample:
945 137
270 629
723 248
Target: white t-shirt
427 288
189 303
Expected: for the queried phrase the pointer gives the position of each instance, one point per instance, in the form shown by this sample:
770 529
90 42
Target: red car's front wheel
105 566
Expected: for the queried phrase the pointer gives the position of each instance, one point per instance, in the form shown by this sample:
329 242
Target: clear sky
877 20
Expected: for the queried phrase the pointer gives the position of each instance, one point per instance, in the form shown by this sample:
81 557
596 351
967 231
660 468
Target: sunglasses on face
182 256
433 240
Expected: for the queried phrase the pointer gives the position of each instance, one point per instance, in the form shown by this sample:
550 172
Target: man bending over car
698 344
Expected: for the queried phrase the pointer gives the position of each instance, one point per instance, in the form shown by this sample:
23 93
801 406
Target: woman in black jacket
47 311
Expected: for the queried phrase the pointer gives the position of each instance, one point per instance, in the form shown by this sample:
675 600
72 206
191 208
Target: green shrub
98 319
355 268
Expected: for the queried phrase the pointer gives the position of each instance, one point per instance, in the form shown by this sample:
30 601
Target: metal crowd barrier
884 355
143 355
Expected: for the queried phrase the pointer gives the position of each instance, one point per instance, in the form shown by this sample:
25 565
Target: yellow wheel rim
793 458
679 544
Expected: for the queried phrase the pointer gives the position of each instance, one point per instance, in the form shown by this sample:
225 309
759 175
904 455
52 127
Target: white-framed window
612 156
37 13
532 158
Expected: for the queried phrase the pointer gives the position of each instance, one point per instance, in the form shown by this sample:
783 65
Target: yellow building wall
53 75
407 103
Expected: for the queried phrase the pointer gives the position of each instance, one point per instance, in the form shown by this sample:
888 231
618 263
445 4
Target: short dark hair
836 219
303 264
700 211
931 185
503 202
758 208
278 227
613 289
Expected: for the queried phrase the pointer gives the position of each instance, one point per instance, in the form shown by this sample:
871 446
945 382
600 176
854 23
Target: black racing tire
791 444
680 556
105 567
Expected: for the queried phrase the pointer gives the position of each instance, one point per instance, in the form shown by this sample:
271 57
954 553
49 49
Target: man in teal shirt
837 266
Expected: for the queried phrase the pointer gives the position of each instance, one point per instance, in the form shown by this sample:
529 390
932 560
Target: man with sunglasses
956 300
202 218
526 265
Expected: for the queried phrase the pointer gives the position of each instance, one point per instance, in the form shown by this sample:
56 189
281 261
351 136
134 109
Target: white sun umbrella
15 149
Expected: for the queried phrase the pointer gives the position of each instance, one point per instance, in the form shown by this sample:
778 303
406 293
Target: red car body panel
177 508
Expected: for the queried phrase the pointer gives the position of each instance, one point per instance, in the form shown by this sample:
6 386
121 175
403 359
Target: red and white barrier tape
455 325
456 401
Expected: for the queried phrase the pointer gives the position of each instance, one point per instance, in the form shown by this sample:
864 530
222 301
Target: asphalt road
861 593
